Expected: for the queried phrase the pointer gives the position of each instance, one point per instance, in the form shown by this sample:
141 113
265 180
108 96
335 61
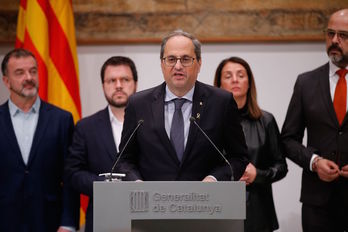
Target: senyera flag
46 28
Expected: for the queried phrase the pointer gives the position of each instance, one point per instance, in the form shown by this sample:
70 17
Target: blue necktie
177 130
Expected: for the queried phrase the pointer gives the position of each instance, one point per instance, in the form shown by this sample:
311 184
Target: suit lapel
104 130
7 129
325 92
198 107
158 120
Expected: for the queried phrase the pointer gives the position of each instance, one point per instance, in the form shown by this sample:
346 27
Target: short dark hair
119 60
195 41
17 52
251 102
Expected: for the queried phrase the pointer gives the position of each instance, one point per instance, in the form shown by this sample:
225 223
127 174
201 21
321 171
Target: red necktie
340 98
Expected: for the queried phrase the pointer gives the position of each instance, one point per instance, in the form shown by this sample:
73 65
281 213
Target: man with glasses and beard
97 137
319 104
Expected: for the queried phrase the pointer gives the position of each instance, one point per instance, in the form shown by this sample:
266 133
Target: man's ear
6 81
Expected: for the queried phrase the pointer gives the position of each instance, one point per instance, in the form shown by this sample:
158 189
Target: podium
168 206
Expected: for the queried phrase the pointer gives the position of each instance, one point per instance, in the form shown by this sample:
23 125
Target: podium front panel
186 204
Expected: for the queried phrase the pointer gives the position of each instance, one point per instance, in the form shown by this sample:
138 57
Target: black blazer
34 192
151 156
311 108
265 153
93 151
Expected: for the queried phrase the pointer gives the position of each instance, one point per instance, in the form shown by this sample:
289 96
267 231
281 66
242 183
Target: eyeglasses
185 61
341 35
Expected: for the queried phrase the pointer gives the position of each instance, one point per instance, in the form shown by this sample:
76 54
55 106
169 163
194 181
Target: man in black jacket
319 104
96 137
34 141
153 153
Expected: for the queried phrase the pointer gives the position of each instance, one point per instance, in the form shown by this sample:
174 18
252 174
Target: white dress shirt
169 109
117 128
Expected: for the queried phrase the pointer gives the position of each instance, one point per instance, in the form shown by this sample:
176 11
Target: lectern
168 206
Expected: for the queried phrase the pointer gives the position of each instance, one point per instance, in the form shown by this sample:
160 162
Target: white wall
275 68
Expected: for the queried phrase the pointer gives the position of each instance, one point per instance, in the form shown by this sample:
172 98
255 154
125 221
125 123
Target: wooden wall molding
147 21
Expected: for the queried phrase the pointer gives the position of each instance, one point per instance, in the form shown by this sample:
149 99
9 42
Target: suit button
26 172
340 132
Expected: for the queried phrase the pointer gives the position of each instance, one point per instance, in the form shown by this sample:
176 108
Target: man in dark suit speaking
168 145
319 104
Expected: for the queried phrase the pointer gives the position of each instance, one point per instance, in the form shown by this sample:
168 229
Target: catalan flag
46 28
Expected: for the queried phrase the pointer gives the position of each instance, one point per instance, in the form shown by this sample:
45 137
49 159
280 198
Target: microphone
192 119
111 174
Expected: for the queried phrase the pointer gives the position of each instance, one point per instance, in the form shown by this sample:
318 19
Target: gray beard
25 94
336 59
340 60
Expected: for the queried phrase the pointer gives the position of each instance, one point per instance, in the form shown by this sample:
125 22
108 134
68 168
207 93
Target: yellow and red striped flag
46 28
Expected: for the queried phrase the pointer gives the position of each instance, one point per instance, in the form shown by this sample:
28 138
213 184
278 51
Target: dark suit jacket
150 154
34 193
92 152
311 107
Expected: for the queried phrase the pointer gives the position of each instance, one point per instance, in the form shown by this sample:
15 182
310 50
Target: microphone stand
192 119
111 176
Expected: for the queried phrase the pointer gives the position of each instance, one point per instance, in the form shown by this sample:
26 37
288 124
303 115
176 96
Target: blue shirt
169 108
24 125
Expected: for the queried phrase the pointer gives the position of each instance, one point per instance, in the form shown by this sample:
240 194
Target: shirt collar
171 96
112 116
333 69
14 110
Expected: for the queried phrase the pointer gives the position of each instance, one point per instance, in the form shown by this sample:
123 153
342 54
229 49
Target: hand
327 170
249 174
138 181
62 229
344 171
209 179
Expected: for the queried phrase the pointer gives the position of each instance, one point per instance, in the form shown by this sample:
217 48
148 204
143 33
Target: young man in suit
167 146
34 142
96 138
319 104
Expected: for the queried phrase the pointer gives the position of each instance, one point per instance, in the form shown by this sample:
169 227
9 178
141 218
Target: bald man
319 104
